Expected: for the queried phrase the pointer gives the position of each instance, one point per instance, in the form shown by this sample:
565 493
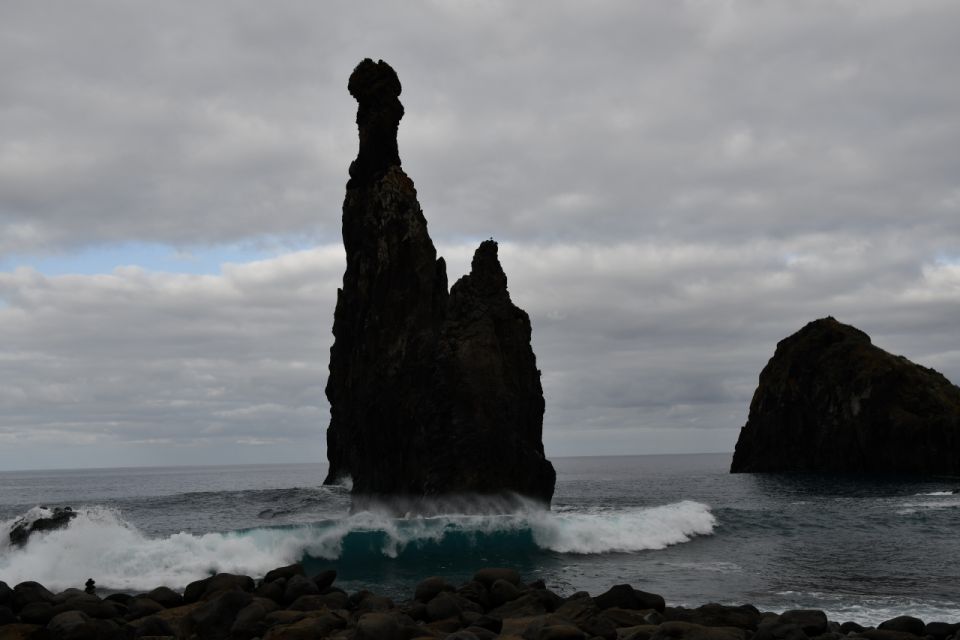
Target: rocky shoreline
497 603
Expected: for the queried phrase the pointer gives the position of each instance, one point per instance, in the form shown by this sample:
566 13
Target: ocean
861 549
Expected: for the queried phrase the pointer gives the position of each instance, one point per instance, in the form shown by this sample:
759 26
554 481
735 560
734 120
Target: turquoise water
861 549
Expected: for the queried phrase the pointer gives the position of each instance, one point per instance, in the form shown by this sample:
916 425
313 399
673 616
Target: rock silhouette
829 400
431 393
23 528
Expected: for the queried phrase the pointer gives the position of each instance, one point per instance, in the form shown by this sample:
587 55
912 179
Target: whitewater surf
101 544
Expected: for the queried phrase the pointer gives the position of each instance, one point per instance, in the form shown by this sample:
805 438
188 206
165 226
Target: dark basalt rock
831 401
22 529
431 393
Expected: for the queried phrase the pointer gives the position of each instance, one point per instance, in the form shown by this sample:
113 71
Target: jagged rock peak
376 88
830 400
433 394
485 271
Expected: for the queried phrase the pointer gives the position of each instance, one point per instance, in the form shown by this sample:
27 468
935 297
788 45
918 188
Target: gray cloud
646 348
676 186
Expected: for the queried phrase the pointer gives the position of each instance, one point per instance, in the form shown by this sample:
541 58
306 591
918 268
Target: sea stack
831 401
432 394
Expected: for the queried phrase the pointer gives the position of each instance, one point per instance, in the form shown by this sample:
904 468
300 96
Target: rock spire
432 394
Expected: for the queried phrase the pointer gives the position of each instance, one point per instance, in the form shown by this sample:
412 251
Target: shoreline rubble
286 604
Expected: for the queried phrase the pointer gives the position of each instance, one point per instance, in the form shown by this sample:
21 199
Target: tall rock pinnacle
431 393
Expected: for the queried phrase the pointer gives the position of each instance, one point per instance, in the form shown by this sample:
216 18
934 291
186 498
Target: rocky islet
831 401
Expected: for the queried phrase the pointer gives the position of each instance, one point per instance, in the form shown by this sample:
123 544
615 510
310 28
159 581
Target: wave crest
100 544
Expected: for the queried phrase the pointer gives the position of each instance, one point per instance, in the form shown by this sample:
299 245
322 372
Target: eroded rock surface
829 400
432 393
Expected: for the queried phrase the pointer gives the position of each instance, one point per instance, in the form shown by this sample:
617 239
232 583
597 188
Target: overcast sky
675 187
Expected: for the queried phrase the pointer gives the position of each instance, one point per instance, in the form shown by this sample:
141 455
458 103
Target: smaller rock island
831 401
434 394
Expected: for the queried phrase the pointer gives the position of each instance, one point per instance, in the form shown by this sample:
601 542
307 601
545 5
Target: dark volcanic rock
829 400
431 393
22 529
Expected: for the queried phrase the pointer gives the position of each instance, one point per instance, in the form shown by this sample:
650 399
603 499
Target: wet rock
586 616
444 605
318 624
287 572
214 618
273 590
325 579
119 598
525 606
850 627
249 621
488 575
30 592
481 633
885 634
335 599
297 586
904 624
555 632
941 630
489 623
7 616
415 370
141 607
690 631
22 529
717 615
308 603
374 602
515 627
208 587
502 591
625 617
152 627
624 596
166 597
72 625
37 613
813 622
637 632
829 400
428 588
93 607
378 626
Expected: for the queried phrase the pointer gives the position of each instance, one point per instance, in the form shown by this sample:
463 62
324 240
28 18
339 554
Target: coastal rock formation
829 400
431 393
47 520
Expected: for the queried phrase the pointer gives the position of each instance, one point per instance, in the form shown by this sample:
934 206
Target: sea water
862 549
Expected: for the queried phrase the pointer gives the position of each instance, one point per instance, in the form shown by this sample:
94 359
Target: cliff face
430 393
829 400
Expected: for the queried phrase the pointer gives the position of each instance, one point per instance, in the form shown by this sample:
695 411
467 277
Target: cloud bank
675 188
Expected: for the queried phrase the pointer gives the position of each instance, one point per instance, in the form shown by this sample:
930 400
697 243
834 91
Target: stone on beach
227 607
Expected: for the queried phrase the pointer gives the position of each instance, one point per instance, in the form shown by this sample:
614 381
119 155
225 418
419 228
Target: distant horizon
281 464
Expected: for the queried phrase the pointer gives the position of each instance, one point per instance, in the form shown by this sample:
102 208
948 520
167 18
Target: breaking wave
100 544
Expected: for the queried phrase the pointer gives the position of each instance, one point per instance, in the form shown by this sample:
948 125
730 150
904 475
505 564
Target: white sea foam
938 493
100 544
946 500
622 531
